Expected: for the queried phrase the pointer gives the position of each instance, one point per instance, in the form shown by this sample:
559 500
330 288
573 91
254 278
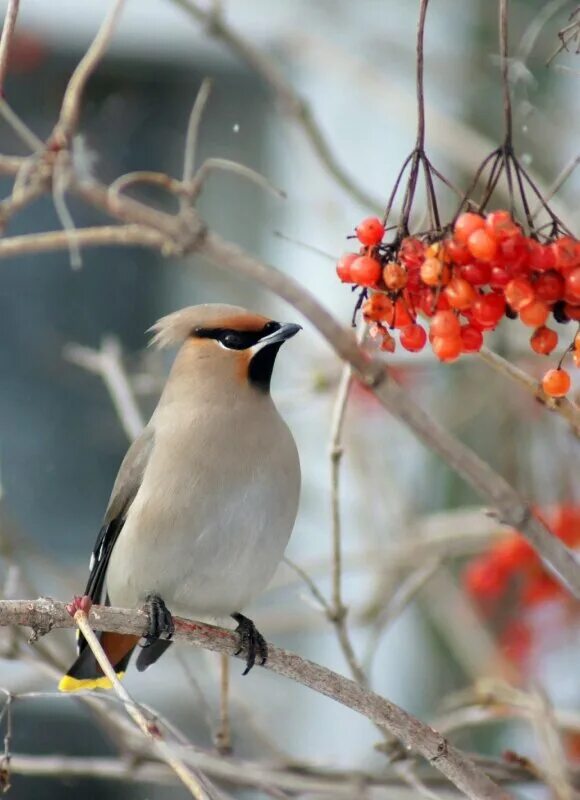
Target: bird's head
225 342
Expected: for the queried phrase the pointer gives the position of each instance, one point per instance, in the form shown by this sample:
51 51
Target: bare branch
290 101
45 614
71 103
560 405
108 364
6 39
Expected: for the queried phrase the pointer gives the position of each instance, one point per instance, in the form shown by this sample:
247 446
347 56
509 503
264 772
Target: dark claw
252 641
160 620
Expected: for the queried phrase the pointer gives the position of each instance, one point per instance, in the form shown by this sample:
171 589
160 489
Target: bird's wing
124 491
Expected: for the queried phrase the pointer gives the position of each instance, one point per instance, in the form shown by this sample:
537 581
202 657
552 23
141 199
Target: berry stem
503 44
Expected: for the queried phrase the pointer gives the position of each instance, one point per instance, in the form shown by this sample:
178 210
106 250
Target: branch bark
44 614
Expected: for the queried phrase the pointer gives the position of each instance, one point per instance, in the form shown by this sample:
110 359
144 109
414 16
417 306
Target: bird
206 497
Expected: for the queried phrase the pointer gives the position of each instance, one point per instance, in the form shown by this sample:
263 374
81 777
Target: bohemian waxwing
206 497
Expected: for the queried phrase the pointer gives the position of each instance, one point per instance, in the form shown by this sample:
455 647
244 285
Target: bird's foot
160 620
251 641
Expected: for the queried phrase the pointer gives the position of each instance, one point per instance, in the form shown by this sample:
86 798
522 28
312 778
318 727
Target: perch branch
44 614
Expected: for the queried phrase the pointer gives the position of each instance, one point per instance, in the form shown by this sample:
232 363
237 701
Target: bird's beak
286 331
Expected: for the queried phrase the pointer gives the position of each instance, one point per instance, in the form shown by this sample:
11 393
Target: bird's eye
232 340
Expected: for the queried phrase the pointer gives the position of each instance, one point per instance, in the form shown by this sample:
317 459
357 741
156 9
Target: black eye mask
237 340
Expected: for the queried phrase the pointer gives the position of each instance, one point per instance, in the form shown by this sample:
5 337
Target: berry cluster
464 283
511 576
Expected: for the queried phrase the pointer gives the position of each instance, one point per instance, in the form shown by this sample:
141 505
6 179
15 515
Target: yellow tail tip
70 684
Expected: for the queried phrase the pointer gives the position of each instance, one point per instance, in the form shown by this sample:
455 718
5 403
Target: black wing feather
124 491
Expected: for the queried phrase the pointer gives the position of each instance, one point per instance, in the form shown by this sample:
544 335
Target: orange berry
444 323
543 340
500 225
370 231
447 348
519 292
466 224
434 272
378 308
534 314
388 344
556 382
395 276
482 245
460 293
365 271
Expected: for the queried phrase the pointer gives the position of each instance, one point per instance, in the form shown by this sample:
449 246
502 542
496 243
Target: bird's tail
86 673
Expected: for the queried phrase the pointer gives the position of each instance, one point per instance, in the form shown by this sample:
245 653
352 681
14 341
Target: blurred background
410 526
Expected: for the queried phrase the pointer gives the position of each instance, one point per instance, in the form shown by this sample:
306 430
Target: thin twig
108 364
223 736
6 39
148 728
190 149
71 103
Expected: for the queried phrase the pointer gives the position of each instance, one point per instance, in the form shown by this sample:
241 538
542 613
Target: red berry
543 340
519 292
456 253
411 253
413 338
573 283
460 293
514 553
370 231
401 315
488 309
395 276
514 254
482 245
500 225
556 382
466 224
365 271
549 286
343 266
447 348
540 589
445 323
499 277
484 579
434 272
534 314
572 311
477 273
566 251
540 256
471 339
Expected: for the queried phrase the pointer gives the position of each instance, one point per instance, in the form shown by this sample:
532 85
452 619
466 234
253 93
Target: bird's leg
252 641
160 620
